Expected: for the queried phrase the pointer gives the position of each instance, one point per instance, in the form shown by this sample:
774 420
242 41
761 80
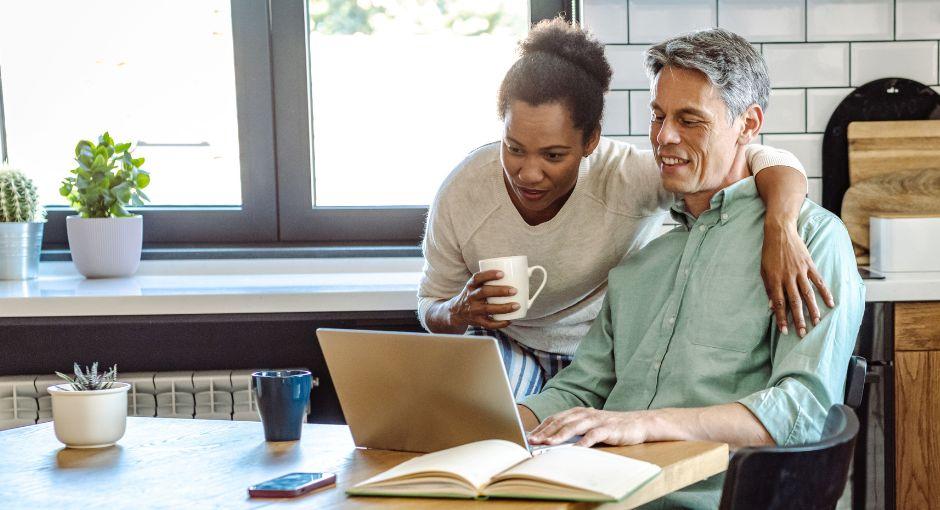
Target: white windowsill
239 286
166 287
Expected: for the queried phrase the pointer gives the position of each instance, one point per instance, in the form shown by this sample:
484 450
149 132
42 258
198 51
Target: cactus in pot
19 200
90 411
21 225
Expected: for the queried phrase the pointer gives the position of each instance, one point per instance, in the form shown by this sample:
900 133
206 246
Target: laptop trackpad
538 449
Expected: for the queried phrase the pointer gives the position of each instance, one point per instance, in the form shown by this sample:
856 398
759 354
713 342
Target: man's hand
609 427
789 274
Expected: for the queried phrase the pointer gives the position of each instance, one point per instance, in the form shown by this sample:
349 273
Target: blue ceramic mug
282 399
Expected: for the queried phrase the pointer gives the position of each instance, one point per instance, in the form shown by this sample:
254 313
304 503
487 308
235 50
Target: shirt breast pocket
734 314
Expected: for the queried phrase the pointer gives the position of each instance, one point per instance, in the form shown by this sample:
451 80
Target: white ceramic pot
89 419
105 247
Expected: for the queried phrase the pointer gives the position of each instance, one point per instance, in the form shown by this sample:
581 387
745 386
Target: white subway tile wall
653 20
786 111
627 64
917 19
640 113
916 60
780 21
850 20
808 65
616 120
607 19
817 51
820 103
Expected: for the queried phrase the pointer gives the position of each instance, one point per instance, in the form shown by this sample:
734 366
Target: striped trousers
528 369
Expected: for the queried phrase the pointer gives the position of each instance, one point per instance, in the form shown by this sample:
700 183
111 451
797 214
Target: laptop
420 392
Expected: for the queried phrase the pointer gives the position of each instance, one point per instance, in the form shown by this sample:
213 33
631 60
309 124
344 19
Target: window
287 120
174 96
401 90
187 82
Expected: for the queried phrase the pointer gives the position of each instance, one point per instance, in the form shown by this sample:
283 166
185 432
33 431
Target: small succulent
90 379
19 201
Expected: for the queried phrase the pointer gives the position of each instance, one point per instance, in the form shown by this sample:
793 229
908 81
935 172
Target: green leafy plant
19 201
107 179
90 379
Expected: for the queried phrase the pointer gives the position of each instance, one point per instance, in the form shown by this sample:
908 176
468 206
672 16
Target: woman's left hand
789 275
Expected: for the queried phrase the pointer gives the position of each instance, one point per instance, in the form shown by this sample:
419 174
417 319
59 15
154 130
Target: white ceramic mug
516 274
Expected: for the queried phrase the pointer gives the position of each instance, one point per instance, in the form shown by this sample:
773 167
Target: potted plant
91 410
105 238
21 225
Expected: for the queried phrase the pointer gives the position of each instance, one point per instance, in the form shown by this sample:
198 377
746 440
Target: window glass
159 74
402 90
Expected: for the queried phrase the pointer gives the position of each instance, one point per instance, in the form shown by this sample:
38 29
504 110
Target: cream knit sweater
617 206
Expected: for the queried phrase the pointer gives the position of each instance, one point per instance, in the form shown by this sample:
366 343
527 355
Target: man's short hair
732 65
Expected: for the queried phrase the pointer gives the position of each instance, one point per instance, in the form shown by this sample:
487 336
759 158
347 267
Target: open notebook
497 468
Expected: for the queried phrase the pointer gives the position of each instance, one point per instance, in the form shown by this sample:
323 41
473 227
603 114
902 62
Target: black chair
806 477
855 381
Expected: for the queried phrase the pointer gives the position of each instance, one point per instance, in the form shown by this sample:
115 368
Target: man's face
692 139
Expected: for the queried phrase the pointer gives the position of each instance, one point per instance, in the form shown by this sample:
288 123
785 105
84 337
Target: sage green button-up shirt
686 324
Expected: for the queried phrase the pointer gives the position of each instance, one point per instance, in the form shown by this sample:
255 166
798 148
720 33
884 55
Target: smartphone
291 485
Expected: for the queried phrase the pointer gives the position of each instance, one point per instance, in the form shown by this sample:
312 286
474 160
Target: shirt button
672 320
686 272
724 216
656 366
702 228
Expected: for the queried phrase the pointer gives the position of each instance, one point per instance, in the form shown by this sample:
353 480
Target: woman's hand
469 308
789 275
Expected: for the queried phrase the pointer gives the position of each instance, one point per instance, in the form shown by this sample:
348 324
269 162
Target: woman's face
541 152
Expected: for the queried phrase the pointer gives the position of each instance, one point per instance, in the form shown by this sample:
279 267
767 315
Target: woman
575 203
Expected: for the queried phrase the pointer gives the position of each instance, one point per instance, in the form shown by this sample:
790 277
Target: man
685 346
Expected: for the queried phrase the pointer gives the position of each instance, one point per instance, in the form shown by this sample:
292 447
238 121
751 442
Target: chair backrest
805 477
855 381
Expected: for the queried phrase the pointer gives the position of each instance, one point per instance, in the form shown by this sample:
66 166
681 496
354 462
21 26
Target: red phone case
327 479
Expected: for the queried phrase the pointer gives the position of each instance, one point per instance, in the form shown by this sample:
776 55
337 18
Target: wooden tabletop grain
178 463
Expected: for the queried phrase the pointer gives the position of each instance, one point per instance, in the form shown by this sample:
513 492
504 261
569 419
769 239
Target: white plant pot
89 419
105 247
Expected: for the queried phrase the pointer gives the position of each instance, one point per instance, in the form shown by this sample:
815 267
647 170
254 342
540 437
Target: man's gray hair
732 65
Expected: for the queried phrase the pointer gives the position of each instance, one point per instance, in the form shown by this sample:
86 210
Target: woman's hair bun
571 43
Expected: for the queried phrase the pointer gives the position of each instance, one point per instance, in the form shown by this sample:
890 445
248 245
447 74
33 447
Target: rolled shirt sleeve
808 375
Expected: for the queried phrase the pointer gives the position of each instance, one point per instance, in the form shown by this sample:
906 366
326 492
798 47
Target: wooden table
178 463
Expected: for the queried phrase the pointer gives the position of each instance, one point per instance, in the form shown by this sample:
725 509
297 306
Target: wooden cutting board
907 193
886 147
894 168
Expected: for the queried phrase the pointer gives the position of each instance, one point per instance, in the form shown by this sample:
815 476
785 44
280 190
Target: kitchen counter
916 286
168 287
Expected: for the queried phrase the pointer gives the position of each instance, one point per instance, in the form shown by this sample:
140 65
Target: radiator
212 395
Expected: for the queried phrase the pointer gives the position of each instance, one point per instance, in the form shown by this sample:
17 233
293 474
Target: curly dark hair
559 62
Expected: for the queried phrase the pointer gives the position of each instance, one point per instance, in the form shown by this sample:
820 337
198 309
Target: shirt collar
722 207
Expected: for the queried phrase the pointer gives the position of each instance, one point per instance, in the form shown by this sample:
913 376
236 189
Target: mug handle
542 286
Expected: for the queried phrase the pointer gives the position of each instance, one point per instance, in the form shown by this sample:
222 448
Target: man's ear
592 142
753 121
